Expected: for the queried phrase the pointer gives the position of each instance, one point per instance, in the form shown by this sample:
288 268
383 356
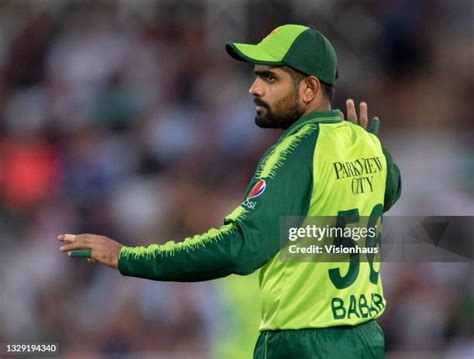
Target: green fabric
393 184
364 341
331 116
271 50
300 47
81 253
312 54
317 294
250 235
300 180
253 54
374 126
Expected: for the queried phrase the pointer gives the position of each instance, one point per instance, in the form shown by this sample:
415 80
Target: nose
256 89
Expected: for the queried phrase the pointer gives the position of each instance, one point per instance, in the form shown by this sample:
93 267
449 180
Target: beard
281 115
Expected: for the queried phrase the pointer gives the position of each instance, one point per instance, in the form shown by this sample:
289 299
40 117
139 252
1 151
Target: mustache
259 102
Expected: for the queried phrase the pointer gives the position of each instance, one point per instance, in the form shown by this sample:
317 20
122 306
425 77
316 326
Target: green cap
302 48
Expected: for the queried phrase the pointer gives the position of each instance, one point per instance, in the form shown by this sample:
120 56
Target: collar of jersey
314 117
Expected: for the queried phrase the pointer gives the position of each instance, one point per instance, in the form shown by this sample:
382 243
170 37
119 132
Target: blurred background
127 119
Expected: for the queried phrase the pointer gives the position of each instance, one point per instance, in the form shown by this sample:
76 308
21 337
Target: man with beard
320 166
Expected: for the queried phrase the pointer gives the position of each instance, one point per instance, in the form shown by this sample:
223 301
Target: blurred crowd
128 119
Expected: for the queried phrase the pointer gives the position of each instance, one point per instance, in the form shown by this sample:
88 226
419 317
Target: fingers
351 111
67 237
363 118
74 245
95 248
73 241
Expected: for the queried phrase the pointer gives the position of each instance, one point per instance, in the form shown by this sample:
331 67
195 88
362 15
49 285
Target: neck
325 106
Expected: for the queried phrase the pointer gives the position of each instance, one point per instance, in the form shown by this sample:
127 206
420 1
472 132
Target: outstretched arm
240 246
247 240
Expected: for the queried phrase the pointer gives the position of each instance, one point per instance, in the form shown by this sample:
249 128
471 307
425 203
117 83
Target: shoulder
290 151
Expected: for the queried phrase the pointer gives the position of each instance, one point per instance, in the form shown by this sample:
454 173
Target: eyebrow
264 73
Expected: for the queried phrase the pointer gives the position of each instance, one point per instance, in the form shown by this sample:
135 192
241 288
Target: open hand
103 250
363 119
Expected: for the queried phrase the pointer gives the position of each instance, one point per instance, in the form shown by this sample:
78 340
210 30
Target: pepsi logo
258 189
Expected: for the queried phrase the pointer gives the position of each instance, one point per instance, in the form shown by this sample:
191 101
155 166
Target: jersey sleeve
393 185
250 235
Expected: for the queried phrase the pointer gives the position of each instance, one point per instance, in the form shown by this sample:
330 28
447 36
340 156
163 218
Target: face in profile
276 97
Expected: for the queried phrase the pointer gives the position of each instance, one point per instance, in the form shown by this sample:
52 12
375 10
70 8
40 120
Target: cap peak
300 47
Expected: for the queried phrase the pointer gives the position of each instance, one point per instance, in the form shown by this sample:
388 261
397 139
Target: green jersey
320 166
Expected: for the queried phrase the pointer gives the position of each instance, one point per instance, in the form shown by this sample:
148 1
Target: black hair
328 91
297 77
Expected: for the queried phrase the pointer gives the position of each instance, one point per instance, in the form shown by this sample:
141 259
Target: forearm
215 254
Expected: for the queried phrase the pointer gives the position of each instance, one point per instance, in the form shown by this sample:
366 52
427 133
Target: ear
310 89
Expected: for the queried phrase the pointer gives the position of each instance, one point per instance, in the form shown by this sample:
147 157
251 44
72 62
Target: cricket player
321 165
